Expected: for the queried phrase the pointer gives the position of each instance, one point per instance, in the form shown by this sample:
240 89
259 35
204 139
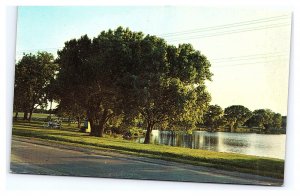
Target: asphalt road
37 157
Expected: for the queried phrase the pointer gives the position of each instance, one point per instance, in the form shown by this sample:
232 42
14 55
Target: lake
267 145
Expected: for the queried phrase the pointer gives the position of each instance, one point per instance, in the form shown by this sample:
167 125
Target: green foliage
236 115
33 74
213 118
265 119
167 85
277 120
121 72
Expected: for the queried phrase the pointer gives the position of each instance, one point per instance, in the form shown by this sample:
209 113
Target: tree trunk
25 117
30 115
92 126
69 121
231 127
50 108
95 129
92 133
101 130
148 133
78 122
235 126
16 116
102 123
98 130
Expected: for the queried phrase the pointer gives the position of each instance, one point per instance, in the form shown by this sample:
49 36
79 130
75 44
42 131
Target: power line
252 55
228 32
178 39
232 31
200 29
248 58
243 64
230 25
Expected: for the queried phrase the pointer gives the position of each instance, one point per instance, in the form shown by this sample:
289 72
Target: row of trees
122 78
124 75
237 115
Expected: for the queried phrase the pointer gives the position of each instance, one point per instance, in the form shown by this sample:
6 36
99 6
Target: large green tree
277 120
33 74
194 110
91 71
236 115
121 72
265 119
168 84
71 90
213 117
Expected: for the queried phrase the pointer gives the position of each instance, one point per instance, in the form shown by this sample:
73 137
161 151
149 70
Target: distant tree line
233 117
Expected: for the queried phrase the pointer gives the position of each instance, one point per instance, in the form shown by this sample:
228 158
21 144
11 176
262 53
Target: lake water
242 143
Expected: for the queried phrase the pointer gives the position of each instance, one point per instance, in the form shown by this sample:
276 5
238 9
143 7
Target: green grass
227 161
34 115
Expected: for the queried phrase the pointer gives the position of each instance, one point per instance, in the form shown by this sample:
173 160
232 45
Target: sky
248 49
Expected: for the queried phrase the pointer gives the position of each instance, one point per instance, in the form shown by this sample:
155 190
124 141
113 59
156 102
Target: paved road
37 157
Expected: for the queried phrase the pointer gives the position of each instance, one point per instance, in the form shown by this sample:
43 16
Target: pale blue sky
248 49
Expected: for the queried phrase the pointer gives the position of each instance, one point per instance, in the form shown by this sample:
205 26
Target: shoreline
270 167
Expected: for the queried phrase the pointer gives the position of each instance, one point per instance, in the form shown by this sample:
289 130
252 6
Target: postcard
170 93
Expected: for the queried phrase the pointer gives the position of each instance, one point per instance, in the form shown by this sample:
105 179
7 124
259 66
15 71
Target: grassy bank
227 161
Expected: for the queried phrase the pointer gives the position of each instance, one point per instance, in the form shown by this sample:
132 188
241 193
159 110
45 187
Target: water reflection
250 143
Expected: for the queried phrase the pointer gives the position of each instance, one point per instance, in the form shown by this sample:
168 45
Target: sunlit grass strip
229 161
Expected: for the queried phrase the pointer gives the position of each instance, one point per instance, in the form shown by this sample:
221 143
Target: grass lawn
227 161
34 115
